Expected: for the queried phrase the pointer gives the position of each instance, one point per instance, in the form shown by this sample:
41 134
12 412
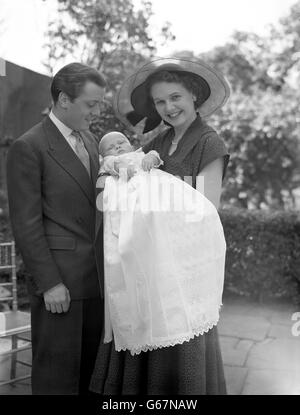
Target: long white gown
164 258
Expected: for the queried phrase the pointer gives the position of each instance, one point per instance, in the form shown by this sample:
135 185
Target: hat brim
132 113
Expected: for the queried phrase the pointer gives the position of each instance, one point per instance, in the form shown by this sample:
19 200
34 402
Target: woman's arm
209 181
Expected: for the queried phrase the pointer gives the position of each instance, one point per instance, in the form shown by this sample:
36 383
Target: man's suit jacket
52 211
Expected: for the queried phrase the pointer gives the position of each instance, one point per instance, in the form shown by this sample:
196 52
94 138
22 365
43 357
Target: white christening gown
164 258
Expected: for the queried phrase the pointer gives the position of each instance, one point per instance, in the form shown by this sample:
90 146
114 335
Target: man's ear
63 99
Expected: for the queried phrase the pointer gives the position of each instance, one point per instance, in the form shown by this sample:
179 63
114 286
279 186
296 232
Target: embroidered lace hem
167 343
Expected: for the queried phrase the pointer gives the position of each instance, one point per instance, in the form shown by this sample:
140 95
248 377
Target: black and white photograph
149 200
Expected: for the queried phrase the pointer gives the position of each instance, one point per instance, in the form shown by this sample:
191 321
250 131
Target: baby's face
115 145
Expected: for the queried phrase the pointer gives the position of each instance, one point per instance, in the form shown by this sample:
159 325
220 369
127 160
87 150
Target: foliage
263 253
286 41
108 122
261 123
263 140
110 35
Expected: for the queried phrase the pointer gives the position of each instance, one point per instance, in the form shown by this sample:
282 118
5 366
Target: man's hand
100 184
57 299
150 161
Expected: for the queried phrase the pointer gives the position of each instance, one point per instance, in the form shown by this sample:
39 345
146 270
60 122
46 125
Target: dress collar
189 139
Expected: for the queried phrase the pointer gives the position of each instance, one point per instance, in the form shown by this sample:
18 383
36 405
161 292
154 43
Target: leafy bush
263 253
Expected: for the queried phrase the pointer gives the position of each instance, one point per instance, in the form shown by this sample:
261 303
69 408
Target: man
51 175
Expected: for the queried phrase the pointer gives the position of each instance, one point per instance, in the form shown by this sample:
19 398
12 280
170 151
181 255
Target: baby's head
114 144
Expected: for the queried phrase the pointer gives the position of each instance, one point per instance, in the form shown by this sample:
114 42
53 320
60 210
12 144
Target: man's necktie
81 151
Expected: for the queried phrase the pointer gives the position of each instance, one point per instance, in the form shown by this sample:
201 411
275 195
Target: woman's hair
193 83
72 78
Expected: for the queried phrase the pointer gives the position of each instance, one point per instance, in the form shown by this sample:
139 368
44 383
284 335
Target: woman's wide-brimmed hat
132 103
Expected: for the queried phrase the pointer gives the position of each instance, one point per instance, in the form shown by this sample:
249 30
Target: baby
117 156
163 273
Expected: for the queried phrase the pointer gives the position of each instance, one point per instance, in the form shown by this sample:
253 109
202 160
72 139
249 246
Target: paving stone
228 342
235 377
237 307
4 367
283 331
244 327
20 388
245 345
258 310
281 354
276 309
235 353
22 370
257 336
271 382
283 317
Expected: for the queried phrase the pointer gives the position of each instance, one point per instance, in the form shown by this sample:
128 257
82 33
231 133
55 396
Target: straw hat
132 103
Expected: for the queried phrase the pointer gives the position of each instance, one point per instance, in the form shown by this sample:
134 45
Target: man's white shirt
65 131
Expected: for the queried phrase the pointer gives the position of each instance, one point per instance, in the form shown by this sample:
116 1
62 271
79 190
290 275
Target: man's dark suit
52 210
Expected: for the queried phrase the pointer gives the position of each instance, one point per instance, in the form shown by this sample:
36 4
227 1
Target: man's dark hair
71 79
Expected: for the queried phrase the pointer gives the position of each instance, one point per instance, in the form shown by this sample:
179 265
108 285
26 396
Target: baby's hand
149 161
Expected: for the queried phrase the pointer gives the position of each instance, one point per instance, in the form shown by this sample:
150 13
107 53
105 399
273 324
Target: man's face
80 112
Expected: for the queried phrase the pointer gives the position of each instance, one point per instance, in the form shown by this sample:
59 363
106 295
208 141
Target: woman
177 92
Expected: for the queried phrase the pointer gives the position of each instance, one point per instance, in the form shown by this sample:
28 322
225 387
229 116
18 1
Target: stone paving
261 356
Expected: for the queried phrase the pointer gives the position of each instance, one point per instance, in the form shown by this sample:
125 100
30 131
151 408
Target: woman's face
174 103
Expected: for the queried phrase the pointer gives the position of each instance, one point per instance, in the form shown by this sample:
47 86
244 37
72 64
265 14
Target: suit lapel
63 154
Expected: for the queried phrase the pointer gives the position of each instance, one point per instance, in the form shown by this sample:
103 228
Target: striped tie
81 151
